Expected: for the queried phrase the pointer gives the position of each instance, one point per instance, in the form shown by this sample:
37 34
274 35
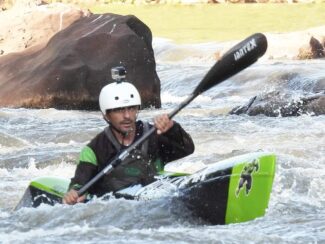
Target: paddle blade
235 60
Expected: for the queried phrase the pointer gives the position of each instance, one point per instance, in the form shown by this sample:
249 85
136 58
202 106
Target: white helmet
118 95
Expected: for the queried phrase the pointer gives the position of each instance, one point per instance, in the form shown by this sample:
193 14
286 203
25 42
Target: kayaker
120 103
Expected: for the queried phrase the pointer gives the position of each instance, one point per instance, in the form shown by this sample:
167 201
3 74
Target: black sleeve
86 168
84 172
174 144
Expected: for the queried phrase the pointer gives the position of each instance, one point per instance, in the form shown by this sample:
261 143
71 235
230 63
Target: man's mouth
126 124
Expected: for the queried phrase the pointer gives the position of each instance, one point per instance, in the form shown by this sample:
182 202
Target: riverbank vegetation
220 22
194 23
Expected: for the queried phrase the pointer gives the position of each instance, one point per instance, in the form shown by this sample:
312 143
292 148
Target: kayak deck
234 190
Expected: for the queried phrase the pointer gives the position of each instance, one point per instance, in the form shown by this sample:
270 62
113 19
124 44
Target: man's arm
173 141
86 169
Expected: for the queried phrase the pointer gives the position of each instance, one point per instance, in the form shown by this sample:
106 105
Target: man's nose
126 113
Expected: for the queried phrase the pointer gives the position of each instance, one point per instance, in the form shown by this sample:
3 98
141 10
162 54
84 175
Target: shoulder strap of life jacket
112 138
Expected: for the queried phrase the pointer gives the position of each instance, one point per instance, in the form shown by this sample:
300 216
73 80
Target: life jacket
136 168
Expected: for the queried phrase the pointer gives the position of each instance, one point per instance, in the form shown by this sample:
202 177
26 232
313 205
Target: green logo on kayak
246 177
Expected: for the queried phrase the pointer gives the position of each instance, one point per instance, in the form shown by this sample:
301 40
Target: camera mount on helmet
118 73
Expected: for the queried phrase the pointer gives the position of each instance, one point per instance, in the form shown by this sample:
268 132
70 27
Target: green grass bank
220 22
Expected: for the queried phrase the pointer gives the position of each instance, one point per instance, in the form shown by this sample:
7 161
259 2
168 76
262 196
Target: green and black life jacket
137 168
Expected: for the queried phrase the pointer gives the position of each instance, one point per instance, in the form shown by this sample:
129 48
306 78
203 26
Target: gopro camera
118 73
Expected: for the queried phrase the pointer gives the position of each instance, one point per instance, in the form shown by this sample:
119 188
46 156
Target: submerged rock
276 104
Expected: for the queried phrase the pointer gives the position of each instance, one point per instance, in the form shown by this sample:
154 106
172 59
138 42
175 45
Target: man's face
123 118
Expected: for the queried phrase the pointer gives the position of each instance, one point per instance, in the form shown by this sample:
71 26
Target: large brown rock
75 64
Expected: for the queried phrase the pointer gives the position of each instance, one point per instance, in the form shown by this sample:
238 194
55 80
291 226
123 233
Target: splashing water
47 142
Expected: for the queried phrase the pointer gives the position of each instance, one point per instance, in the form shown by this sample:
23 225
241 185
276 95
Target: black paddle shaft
235 60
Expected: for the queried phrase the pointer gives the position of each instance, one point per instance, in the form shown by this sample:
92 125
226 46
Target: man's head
119 103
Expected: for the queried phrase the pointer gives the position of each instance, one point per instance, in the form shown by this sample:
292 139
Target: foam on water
36 142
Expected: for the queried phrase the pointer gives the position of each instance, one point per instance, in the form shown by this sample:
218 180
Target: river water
47 142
